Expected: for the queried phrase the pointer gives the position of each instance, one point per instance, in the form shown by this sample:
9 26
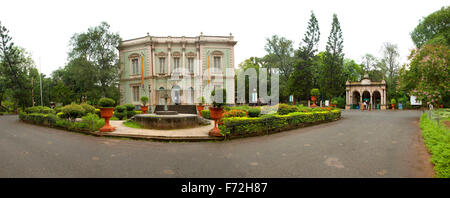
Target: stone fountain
169 119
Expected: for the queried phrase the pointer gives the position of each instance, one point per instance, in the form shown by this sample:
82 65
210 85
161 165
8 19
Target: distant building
176 69
373 92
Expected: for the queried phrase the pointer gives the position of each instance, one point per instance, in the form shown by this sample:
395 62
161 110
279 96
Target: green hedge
90 122
245 126
39 109
437 140
206 114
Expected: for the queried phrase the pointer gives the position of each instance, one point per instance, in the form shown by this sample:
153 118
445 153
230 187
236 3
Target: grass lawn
132 124
437 140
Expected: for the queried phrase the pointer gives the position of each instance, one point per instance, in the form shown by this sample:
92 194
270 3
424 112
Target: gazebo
365 90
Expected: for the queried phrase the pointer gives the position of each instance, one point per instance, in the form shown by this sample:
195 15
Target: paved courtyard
361 144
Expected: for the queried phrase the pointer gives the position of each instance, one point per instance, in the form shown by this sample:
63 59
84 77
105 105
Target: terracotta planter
200 108
144 109
313 99
215 113
107 113
393 106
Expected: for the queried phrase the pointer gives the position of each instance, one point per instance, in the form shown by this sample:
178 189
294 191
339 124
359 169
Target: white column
183 62
169 56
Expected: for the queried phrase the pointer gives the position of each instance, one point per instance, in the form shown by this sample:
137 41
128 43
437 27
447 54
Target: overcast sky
44 28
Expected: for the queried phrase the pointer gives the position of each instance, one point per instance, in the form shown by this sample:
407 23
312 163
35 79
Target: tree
433 29
302 80
15 63
390 66
311 39
368 62
280 53
428 74
97 47
279 56
333 82
352 70
250 63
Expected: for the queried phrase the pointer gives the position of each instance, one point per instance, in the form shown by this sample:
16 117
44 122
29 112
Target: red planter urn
144 109
200 109
393 106
313 99
107 113
216 114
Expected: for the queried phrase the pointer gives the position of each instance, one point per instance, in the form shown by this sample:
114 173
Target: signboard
291 98
327 103
415 101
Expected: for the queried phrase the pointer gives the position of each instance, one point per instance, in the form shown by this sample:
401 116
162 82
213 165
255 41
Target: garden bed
437 140
234 127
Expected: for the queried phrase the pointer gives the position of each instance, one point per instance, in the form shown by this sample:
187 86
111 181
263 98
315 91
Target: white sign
291 98
415 101
327 103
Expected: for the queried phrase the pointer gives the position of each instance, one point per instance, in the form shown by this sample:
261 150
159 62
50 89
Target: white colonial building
178 70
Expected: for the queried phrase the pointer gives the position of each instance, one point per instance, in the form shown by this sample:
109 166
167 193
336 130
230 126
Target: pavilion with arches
365 90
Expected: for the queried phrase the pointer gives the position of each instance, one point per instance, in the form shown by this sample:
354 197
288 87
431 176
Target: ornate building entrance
374 93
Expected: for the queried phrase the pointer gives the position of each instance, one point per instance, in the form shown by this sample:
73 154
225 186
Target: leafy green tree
15 63
333 82
368 61
280 55
96 48
390 67
302 78
427 75
433 29
352 70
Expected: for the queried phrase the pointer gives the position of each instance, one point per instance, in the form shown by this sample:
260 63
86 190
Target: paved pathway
361 144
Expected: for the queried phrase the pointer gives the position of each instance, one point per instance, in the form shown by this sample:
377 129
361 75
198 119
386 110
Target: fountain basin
166 113
164 122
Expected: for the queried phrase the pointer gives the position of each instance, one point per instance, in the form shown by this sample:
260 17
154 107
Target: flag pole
40 80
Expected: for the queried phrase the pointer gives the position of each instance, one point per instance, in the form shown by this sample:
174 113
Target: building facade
175 70
366 90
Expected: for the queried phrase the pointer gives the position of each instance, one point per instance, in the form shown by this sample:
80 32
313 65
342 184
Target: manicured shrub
58 109
284 109
393 101
97 111
73 111
121 115
234 113
88 108
120 109
206 114
247 126
106 102
139 112
219 100
315 92
301 108
254 112
39 109
130 114
96 121
144 100
130 107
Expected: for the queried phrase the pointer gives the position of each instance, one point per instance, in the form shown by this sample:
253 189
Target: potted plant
314 94
144 107
334 102
393 101
106 112
216 111
200 106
